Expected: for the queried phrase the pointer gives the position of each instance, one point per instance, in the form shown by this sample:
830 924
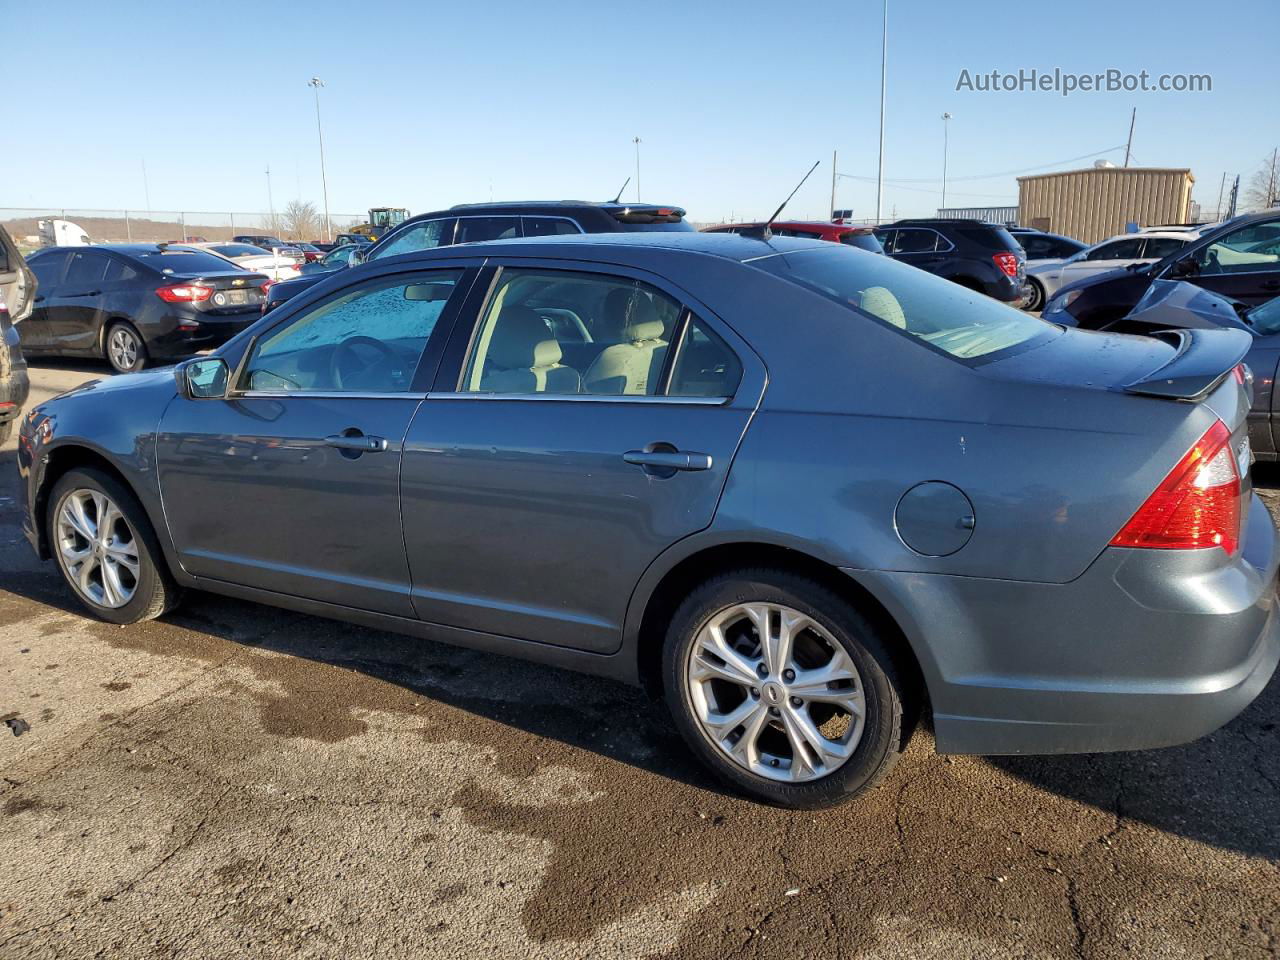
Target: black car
475 222
1040 245
135 302
17 293
973 253
1239 260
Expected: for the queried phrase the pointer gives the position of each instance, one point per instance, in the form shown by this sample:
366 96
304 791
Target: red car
861 237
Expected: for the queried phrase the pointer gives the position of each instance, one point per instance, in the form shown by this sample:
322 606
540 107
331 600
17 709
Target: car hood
1176 303
144 380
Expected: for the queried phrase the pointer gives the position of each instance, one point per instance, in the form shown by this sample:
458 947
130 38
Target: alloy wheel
775 692
122 348
97 548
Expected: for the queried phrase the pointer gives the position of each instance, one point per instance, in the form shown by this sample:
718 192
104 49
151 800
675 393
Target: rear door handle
669 459
87 293
1271 285
360 443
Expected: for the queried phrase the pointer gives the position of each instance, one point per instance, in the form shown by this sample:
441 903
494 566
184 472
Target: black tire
1035 299
155 592
881 741
124 329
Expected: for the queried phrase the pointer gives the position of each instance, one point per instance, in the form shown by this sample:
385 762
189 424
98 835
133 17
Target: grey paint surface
554 554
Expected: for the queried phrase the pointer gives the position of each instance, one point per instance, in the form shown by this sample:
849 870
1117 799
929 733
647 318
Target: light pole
637 141
315 83
271 203
884 56
945 118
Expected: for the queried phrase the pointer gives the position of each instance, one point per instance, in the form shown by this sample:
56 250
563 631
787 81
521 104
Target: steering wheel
344 354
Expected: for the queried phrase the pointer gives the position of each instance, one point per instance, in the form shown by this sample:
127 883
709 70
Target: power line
990 176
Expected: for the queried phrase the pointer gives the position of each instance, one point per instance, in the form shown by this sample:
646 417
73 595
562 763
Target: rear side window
705 366
119 272
479 229
86 268
1160 247
917 241
548 226
1117 250
934 311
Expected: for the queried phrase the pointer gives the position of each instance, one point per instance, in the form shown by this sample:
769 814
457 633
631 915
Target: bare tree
300 220
1263 189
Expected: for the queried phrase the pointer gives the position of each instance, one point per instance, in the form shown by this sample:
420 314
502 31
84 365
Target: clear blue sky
429 104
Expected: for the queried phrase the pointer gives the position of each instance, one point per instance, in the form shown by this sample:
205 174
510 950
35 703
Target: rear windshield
678 226
990 238
940 313
239 250
174 261
863 241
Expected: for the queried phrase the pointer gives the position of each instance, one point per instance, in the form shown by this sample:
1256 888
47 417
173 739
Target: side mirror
204 378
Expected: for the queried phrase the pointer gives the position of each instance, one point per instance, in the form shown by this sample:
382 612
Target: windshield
184 261
1265 317
942 314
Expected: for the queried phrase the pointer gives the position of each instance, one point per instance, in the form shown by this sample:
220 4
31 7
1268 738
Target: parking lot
234 780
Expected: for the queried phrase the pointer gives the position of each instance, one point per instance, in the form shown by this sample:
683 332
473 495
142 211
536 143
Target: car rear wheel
1035 295
783 688
125 350
107 550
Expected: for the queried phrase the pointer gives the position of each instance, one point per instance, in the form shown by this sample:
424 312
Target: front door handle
356 443
669 459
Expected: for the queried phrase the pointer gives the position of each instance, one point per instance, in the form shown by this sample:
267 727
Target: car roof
608 206
726 246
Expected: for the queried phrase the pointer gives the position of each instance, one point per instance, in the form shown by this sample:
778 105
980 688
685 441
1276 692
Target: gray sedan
802 492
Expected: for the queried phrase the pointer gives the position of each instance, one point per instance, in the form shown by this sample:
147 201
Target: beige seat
880 302
524 358
629 367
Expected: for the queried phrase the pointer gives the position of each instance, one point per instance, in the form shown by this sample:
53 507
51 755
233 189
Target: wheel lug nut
755 693
788 675
762 670
773 762
775 711
797 702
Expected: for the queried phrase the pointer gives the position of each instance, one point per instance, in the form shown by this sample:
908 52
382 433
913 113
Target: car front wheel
1035 295
107 550
783 688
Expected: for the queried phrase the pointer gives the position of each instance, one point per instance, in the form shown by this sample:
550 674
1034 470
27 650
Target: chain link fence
128 226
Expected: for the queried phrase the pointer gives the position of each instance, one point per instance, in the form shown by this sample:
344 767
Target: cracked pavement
238 781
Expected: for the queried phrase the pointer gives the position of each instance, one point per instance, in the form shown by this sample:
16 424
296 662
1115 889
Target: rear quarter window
995 239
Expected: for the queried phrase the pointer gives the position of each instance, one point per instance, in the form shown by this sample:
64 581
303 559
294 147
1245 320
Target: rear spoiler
1202 360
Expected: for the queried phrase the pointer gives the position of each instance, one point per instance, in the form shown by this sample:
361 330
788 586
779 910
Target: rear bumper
209 332
1148 648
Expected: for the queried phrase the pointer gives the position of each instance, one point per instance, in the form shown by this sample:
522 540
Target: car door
536 493
291 483
75 307
1102 258
49 268
1242 264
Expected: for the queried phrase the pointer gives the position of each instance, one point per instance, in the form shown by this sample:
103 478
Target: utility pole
146 188
884 55
637 141
1217 213
315 83
271 204
1129 146
833 185
946 118
1272 193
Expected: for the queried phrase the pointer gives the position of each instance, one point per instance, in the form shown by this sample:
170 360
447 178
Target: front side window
1117 250
368 339
1249 249
479 229
48 269
421 236
1160 247
929 309
561 332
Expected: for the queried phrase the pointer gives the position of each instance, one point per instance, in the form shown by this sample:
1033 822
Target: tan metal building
1098 202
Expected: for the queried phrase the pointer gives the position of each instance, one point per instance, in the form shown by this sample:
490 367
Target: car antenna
620 189
762 233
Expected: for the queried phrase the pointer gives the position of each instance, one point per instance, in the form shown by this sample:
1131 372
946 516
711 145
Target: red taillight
184 293
1196 506
1008 262
266 285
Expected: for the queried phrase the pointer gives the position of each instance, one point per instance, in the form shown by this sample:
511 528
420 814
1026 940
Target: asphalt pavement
239 781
